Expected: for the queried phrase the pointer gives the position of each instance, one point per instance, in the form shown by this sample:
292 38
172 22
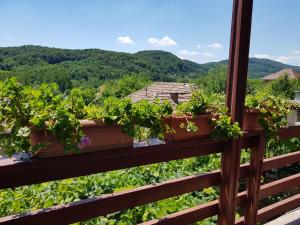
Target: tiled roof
289 71
163 91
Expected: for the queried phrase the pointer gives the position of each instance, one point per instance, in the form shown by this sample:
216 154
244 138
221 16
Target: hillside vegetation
92 67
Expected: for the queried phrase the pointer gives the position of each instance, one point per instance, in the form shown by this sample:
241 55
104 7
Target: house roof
163 91
289 71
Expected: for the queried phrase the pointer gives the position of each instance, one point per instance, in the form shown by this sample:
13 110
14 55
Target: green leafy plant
197 105
213 105
224 128
147 118
25 109
273 112
15 113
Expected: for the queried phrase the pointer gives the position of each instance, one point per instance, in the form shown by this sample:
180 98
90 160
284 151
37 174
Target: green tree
284 87
254 86
124 86
214 81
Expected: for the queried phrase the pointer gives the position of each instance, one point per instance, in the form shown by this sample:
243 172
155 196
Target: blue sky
198 30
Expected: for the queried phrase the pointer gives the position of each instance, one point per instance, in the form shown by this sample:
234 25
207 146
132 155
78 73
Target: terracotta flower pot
203 122
251 120
100 137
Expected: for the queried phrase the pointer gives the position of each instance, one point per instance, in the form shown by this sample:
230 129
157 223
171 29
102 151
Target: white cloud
262 56
296 52
125 40
165 42
208 54
187 52
199 46
282 59
215 45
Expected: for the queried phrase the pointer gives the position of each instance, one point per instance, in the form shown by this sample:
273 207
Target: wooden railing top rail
42 170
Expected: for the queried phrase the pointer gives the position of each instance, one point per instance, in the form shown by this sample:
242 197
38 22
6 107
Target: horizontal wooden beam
42 170
188 216
148 194
195 214
109 203
13 174
240 221
123 200
290 132
278 208
280 185
281 161
269 189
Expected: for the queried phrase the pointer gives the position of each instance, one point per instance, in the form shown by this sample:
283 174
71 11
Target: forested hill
91 67
261 67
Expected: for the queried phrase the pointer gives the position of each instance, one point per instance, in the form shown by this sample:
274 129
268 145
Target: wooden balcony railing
14 174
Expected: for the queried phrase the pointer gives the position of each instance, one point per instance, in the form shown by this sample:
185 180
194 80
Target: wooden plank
269 189
281 161
232 51
230 175
188 216
290 132
280 185
236 91
109 203
241 199
253 182
278 208
42 170
239 57
195 214
240 221
244 170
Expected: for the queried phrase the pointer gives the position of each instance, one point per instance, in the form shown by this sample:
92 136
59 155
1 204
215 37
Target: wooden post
253 182
236 91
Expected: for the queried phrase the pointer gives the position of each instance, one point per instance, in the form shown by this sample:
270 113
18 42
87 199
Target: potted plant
147 117
265 112
190 120
44 123
200 117
100 130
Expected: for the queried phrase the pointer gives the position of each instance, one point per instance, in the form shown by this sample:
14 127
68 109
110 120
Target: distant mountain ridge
259 68
92 66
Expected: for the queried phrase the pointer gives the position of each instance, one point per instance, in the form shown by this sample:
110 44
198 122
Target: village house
290 72
174 92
